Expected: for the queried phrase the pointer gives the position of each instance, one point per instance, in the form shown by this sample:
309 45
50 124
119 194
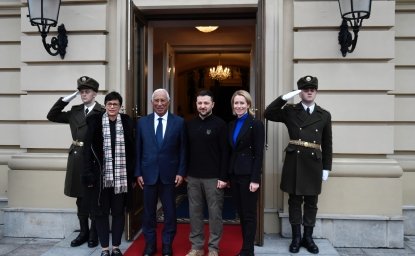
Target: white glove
325 175
290 95
70 97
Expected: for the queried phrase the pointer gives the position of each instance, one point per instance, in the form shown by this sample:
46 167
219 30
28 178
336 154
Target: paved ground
273 245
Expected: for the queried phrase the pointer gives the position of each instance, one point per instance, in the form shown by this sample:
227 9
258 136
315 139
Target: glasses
115 105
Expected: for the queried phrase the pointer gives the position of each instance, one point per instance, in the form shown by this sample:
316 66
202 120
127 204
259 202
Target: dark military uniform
303 166
76 118
308 153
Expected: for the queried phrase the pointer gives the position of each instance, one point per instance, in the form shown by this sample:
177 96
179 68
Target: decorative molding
39 161
366 168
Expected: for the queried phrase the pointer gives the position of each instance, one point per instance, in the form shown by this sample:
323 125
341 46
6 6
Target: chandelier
219 72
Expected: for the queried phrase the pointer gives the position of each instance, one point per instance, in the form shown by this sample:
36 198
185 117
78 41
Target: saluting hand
290 95
70 96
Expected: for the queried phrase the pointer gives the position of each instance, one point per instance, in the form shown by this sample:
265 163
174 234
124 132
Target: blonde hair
248 99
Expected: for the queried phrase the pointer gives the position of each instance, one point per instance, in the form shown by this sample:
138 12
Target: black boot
83 234
296 235
93 237
308 241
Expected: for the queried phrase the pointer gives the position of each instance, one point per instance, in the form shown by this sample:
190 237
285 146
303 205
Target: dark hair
205 93
113 96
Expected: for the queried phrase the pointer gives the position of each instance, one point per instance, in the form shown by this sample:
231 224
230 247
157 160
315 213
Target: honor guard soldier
308 157
76 118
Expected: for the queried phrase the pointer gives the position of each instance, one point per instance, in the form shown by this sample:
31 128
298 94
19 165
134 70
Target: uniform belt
305 144
77 143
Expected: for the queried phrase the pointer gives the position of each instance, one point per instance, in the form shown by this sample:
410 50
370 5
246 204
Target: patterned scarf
118 177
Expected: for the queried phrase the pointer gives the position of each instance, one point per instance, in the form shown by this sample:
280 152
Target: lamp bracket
345 38
58 44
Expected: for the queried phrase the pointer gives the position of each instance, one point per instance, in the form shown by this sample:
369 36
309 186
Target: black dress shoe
167 250
93 238
150 250
105 253
80 239
116 252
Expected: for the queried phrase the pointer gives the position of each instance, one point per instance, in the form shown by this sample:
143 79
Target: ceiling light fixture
206 29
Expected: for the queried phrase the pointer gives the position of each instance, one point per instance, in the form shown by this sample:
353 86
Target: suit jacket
247 153
302 170
165 162
94 157
75 117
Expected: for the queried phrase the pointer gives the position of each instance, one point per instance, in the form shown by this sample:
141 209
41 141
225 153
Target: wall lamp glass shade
44 14
352 12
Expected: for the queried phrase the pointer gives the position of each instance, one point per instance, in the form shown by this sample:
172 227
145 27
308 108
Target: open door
136 103
168 74
259 105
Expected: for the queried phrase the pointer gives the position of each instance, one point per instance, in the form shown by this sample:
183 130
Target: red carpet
230 243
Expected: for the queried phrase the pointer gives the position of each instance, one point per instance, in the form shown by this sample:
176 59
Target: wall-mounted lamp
44 14
352 11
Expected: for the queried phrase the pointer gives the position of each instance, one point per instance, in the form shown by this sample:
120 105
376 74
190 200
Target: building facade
133 46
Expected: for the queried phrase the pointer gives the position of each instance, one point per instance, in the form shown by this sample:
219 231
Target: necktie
308 111
86 111
159 131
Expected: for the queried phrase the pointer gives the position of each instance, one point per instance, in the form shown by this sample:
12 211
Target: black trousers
114 204
83 206
296 217
246 204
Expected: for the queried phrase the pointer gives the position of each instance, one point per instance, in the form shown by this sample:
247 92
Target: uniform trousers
83 207
295 210
199 190
246 204
114 204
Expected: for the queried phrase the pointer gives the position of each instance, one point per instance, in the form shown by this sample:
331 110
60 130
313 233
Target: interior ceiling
232 42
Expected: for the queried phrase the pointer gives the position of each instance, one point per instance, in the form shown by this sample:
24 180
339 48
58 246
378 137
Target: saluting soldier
308 157
76 118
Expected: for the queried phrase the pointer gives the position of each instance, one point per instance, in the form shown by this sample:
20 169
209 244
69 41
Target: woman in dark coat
246 139
108 173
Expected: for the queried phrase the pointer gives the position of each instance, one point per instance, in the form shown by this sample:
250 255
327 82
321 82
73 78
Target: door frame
223 13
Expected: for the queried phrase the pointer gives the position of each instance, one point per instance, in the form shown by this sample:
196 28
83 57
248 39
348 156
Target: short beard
206 115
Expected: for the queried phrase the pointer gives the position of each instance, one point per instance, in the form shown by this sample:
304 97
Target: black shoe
309 244
150 250
93 237
295 245
80 239
116 252
167 250
307 241
105 253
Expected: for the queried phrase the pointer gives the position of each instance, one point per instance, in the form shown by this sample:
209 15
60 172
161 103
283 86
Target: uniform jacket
248 151
302 170
165 162
75 117
94 156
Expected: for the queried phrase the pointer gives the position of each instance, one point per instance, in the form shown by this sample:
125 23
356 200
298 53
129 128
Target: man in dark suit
75 117
161 161
308 157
